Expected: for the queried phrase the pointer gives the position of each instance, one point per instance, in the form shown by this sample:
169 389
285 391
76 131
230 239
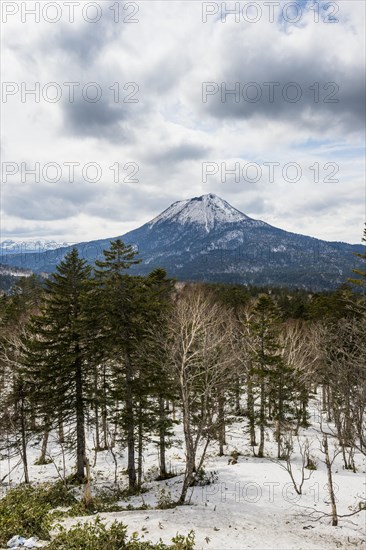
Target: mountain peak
207 211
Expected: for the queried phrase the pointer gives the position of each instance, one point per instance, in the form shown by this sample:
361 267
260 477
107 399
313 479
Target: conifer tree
361 281
161 384
119 302
265 354
16 411
57 352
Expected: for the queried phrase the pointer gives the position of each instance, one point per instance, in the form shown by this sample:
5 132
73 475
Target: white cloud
170 132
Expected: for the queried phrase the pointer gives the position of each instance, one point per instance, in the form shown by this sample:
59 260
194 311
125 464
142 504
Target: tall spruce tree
361 280
359 302
57 352
263 333
16 411
121 328
158 379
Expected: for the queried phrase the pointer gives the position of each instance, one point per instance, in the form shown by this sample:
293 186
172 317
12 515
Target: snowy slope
251 505
207 211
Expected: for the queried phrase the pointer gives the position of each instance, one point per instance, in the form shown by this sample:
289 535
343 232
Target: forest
96 361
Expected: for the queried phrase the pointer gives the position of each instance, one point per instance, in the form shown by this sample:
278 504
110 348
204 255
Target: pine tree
360 282
57 353
120 323
263 333
17 418
282 394
358 304
157 374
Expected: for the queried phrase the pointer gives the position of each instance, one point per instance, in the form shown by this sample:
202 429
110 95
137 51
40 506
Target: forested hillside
97 362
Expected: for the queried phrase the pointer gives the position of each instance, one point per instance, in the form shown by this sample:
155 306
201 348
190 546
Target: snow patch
207 210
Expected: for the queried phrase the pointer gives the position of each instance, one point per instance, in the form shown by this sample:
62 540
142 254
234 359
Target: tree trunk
237 395
329 415
221 422
80 422
162 422
304 412
96 410
261 421
61 433
280 417
330 482
190 452
140 448
24 440
130 426
46 433
115 425
188 478
87 499
324 398
104 411
251 415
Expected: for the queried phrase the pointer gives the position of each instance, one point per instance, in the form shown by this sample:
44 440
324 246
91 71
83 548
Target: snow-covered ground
252 504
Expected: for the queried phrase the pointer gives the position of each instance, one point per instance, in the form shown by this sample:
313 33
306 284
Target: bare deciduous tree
288 463
200 358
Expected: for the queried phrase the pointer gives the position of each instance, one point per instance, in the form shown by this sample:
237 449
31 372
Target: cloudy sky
133 111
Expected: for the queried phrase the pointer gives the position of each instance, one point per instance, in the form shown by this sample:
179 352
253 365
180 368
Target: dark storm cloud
339 101
102 119
84 45
85 41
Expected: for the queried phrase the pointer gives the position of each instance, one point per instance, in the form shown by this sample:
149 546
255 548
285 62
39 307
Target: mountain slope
206 239
10 275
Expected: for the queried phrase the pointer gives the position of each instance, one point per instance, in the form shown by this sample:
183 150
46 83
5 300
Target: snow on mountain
207 239
14 272
9 276
27 246
206 210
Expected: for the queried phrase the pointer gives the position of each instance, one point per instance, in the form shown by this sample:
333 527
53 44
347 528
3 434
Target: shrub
90 536
42 461
234 457
311 463
165 500
97 536
203 478
25 510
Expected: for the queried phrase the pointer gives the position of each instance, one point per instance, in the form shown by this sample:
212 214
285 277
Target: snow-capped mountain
207 239
25 247
207 211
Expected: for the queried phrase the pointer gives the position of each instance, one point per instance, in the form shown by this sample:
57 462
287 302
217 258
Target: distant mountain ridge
27 247
207 239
